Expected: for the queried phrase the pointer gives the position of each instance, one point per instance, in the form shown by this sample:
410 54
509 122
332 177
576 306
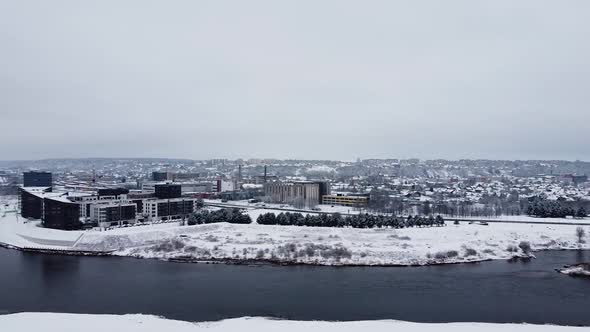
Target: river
497 291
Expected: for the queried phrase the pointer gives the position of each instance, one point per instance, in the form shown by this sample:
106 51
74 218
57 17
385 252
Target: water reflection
494 291
581 255
58 270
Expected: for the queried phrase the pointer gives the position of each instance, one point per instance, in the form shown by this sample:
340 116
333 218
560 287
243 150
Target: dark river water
497 291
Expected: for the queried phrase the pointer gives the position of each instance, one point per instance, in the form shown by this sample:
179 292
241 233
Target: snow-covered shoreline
336 246
58 322
577 270
238 243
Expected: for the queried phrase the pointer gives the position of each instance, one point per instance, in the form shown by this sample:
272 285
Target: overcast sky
295 79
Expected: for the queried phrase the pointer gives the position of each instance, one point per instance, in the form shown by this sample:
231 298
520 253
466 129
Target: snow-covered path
51 322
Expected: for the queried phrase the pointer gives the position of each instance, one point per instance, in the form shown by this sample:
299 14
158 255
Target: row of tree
234 216
488 206
553 209
354 221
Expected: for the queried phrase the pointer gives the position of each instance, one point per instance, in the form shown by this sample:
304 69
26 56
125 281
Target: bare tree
580 233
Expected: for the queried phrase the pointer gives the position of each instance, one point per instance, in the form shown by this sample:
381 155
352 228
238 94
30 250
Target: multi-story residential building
61 213
162 209
54 210
31 201
105 214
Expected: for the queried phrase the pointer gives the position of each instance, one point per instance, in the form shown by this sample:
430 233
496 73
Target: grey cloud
299 79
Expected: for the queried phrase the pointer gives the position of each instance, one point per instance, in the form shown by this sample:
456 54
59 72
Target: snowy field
50 322
19 232
269 207
333 246
307 245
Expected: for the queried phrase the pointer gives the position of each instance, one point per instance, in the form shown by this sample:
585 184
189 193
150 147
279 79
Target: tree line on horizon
544 208
236 216
353 221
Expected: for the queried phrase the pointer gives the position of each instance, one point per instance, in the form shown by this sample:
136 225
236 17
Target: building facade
346 200
37 179
31 203
168 190
60 213
161 176
299 194
113 213
166 209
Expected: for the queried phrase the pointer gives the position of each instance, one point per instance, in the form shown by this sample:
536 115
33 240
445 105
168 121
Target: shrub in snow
169 246
488 251
470 252
581 213
446 254
580 233
403 238
211 238
287 250
525 246
309 250
197 252
452 253
336 253
512 248
292 247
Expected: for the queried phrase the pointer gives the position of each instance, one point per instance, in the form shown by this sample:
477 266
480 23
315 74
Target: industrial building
162 176
298 194
346 200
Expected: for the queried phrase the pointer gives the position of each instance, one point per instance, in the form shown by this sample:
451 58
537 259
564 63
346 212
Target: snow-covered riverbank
51 322
302 245
333 246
